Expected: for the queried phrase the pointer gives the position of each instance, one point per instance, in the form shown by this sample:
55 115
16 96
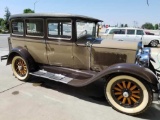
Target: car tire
154 43
20 68
128 95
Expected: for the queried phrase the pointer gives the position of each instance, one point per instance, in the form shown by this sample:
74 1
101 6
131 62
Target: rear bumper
4 57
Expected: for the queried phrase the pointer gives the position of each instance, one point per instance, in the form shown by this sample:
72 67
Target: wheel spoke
129 101
134 100
136 91
118 93
117 89
135 96
133 87
124 84
119 85
124 100
120 97
129 85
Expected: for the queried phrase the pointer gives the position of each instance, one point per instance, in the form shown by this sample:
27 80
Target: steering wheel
83 33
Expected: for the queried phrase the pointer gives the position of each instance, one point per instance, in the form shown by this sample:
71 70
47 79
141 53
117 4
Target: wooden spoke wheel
20 68
128 94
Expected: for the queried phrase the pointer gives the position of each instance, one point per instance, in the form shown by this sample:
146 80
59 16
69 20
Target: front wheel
128 94
20 68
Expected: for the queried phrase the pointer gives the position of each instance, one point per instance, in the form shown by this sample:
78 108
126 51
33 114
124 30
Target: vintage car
67 48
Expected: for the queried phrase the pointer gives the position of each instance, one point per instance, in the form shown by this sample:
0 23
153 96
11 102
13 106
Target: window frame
130 34
117 30
58 20
32 35
139 30
20 20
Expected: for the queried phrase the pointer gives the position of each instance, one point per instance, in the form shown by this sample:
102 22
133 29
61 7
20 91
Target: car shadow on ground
93 93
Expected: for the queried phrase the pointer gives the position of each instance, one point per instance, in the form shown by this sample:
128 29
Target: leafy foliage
156 27
28 10
148 26
5 23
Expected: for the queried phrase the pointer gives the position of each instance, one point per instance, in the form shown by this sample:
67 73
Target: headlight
143 60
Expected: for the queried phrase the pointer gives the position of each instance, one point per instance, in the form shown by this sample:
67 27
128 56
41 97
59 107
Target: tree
1 20
126 25
148 26
5 23
28 10
122 25
156 27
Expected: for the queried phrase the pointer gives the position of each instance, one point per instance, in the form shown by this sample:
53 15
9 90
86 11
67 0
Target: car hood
116 44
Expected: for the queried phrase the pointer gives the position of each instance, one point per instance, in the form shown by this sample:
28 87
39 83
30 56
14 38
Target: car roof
54 15
124 28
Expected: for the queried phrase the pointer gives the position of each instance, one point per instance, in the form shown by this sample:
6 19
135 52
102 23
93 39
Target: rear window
130 32
18 27
140 32
34 27
117 31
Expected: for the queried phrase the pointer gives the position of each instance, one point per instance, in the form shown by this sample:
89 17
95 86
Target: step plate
52 76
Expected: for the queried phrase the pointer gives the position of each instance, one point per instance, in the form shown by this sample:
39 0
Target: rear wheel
128 94
154 43
20 68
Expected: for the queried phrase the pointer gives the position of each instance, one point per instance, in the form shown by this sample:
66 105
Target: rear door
130 35
35 39
139 35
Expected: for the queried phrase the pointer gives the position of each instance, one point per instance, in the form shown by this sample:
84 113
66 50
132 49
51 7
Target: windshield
86 28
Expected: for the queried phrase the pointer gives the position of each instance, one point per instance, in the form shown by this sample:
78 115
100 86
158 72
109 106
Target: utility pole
35 5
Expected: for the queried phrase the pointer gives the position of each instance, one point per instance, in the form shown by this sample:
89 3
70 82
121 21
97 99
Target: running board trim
52 76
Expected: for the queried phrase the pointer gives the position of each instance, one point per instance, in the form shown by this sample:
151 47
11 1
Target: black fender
25 55
122 68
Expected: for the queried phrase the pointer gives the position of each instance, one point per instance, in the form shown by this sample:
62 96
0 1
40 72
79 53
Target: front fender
123 68
23 53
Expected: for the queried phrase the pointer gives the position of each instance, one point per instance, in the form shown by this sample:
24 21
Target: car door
35 39
59 42
130 35
139 35
118 34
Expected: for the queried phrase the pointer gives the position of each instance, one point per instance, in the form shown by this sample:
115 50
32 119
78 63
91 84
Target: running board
52 76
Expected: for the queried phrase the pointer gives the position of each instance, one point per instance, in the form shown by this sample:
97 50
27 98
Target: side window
140 32
34 27
130 32
60 29
117 31
17 27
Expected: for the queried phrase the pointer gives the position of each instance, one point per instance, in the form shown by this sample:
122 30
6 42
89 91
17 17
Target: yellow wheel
20 68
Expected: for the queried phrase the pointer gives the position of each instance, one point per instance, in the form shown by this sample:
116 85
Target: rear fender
23 53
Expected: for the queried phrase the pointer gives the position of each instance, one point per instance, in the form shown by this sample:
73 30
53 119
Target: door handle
120 40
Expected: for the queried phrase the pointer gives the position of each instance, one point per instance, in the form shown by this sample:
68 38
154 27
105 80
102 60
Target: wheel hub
125 94
19 67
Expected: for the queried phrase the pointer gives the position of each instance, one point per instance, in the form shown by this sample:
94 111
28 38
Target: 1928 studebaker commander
67 48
